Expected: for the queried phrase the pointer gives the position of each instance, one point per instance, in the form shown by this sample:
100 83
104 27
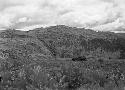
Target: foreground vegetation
62 75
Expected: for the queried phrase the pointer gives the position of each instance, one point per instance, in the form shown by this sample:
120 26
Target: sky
103 15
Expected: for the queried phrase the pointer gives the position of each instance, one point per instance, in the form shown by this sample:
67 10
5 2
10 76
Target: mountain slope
61 58
64 39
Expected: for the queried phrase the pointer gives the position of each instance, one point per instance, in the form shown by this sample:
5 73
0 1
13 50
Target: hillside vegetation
61 58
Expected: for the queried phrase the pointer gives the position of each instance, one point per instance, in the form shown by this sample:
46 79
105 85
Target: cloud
106 15
113 26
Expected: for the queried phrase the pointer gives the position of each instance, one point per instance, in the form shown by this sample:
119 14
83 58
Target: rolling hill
61 58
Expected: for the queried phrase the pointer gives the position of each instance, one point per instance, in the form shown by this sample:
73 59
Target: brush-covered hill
61 58
69 42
